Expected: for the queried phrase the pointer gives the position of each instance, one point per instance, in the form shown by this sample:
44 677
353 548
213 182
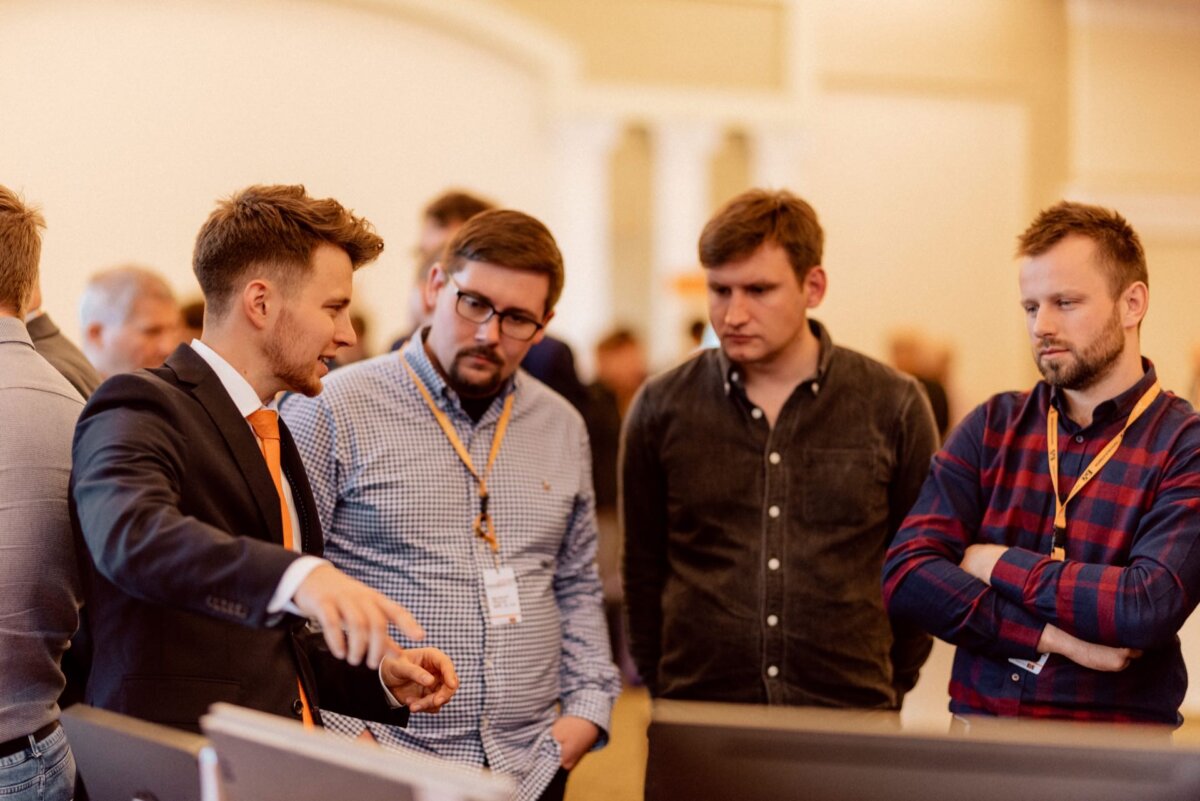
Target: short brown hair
1117 243
509 239
20 250
276 229
456 206
757 216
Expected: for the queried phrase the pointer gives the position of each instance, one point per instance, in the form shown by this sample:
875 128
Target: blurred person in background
192 316
440 219
620 371
913 354
129 319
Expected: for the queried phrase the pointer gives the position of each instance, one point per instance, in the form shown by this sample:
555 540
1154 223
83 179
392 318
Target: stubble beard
296 377
473 386
1092 364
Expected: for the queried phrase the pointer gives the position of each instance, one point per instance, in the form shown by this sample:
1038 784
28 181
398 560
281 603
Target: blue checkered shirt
398 506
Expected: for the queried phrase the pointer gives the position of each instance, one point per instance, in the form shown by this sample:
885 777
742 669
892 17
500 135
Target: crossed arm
1013 602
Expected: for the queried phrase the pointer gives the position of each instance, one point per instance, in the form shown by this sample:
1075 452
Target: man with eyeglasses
461 487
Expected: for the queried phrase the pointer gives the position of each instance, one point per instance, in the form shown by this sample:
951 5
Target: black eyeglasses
479 310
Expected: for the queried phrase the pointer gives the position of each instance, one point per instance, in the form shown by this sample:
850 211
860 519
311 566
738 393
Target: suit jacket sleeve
347 689
135 500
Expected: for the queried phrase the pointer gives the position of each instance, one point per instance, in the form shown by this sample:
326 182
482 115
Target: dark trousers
557 787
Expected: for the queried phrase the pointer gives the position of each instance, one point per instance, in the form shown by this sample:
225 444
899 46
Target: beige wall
126 121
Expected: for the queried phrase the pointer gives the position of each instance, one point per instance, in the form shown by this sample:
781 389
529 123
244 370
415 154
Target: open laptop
120 758
705 752
263 757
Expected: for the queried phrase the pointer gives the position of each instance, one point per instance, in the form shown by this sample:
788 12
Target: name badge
1028 664
504 603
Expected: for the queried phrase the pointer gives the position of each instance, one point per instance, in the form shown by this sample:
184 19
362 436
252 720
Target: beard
471 384
1087 367
296 373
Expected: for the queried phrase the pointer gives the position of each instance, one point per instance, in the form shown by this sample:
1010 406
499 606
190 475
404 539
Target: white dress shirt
247 402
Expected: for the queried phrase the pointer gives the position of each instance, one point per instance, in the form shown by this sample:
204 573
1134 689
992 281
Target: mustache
483 352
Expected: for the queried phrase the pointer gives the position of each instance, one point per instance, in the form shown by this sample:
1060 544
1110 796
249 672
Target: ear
541 334
257 303
93 334
1135 302
815 283
433 285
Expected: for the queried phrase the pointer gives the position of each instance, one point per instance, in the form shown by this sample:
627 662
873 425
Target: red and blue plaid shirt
1132 570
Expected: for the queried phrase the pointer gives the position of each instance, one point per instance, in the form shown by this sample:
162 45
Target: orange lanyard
484 528
1097 464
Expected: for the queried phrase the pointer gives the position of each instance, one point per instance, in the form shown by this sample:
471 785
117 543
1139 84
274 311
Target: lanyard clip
486 531
1059 550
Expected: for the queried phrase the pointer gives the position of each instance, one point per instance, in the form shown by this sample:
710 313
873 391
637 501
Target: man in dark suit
195 508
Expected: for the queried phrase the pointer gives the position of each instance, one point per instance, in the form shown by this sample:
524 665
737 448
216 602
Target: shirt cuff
387 694
293 577
592 705
1011 574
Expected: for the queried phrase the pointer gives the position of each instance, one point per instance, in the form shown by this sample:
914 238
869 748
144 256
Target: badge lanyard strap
484 528
1097 464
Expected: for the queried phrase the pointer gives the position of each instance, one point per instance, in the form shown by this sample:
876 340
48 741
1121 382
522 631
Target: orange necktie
265 423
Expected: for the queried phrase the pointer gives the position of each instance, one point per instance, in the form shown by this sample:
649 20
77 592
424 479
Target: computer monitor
706 752
120 758
263 757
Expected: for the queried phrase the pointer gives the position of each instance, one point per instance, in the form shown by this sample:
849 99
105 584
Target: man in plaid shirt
1055 540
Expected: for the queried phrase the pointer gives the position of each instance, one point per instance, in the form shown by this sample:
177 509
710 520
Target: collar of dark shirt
1109 411
732 371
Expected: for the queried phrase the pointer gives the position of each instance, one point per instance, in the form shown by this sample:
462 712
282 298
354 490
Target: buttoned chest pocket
842 487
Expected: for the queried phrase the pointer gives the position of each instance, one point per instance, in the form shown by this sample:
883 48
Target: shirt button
756 413
1079 437
487 663
773 511
772 671
816 387
733 376
773 563
1016 677
772 620
298 708
775 458
483 723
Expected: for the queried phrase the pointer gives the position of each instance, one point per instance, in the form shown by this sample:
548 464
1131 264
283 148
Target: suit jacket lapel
208 390
311 538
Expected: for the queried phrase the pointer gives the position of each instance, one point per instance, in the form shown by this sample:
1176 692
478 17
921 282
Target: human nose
735 310
489 329
1042 324
343 332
